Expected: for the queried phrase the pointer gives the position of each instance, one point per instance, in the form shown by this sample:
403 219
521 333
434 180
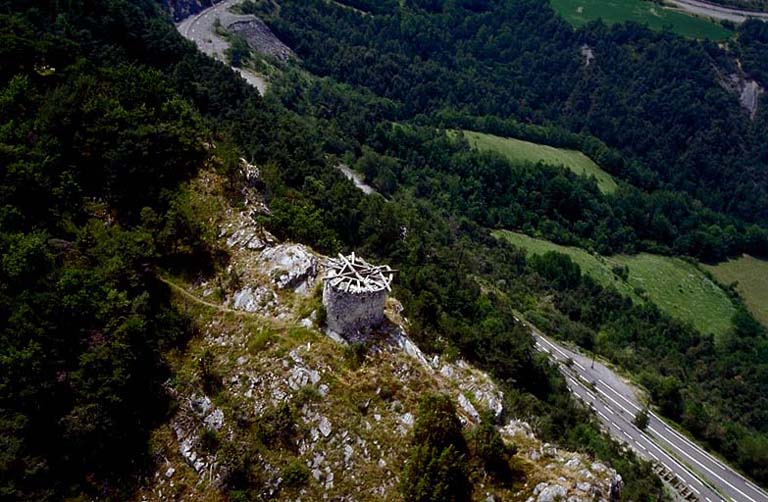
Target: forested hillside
106 113
654 96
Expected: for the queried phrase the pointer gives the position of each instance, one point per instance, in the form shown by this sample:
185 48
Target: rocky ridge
345 421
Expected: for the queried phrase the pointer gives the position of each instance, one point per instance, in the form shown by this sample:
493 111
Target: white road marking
555 347
684 439
668 456
619 394
615 402
697 447
687 441
704 466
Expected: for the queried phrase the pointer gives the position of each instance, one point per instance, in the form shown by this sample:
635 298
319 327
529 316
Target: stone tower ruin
354 294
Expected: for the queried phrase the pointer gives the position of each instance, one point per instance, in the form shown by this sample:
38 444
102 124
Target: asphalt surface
200 30
616 404
717 11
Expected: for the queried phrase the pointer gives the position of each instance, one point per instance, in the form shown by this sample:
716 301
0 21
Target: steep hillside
270 406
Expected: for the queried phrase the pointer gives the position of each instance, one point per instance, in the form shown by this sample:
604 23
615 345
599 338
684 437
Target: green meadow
525 151
653 15
678 287
751 276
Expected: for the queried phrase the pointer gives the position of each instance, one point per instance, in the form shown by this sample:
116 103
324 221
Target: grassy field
519 150
656 17
678 287
752 277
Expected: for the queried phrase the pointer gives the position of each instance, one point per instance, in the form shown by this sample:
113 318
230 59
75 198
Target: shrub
641 419
437 466
276 427
295 474
490 449
355 353
209 441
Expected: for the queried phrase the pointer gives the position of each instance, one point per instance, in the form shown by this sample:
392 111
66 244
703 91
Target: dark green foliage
437 424
295 474
621 271
641 419
100 106
753 37
435 475
355 354
489 448
240 463
93 147
654 97
209 441
238 50
437 466
557 268
209 378
276 427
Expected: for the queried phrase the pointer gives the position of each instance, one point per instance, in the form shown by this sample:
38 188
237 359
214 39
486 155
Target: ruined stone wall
353 315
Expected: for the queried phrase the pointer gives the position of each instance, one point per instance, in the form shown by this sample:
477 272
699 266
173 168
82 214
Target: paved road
616 403
200 30
717 11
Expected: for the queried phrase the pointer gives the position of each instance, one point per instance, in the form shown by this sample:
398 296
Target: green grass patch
678 287
653 15
751 276
518 150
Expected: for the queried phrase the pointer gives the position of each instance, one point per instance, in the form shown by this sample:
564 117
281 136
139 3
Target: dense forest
99 98
653 96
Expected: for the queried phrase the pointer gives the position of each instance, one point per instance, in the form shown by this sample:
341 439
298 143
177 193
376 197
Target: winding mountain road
200 29
697 474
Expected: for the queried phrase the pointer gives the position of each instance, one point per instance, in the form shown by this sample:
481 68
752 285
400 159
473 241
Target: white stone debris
551 493
256 299
466 405
291 266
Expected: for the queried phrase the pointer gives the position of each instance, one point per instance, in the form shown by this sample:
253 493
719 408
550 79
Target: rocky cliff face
270 404
747 90
181 9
